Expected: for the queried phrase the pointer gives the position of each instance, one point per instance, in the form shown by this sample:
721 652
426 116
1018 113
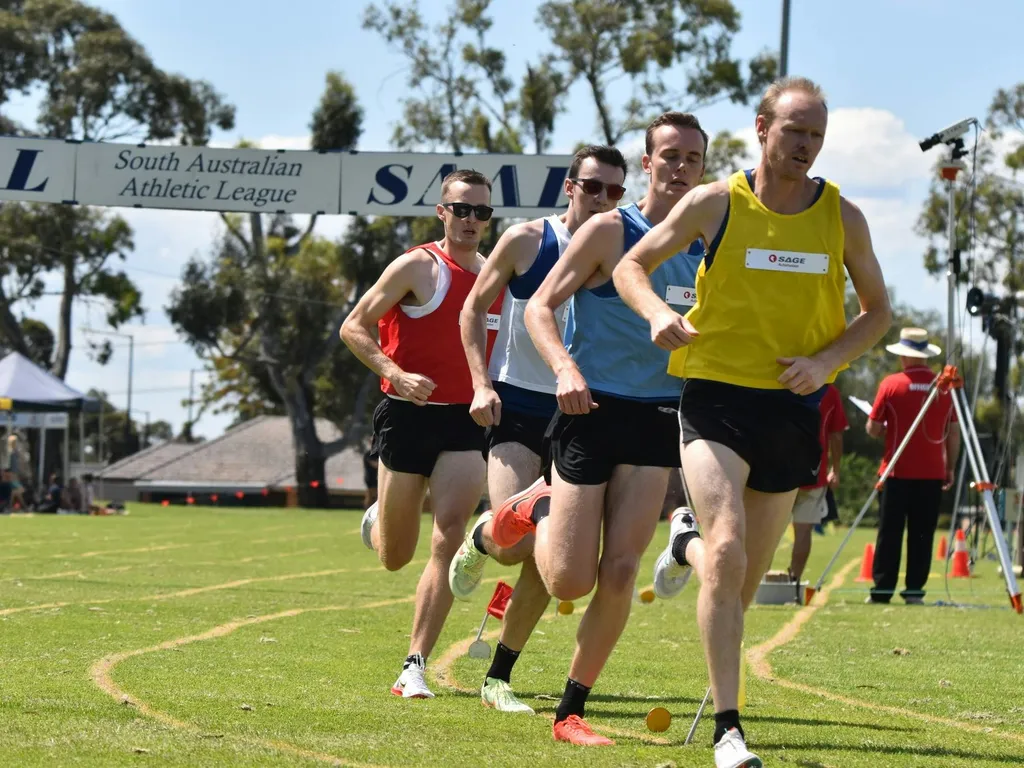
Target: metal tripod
947 381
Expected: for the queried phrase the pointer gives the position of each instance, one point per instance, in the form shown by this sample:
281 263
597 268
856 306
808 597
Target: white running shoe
467 567
497 694
410 684
369 518
669 576
731 752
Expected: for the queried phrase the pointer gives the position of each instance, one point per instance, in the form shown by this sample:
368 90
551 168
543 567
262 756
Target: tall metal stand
948 380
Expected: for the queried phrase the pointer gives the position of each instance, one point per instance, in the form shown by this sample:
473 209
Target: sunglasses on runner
594 187
462 210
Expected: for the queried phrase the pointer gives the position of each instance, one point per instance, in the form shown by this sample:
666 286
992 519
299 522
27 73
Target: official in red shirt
811 505
913 491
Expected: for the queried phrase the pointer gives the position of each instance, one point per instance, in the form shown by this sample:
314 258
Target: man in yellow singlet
755 353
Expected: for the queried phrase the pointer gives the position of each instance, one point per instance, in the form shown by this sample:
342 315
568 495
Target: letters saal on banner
409 183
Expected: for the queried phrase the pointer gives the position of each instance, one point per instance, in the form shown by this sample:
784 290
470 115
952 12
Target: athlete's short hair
678 119
783 85
465 175
601 153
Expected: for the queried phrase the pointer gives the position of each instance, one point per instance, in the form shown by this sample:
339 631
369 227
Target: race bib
493 322
787 261
678 294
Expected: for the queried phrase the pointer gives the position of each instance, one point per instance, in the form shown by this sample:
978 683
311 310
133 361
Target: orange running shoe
512 520
574 730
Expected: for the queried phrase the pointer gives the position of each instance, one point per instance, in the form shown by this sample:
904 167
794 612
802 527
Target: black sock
573 700
679 544
541 509
726 720
414 658
504 659
478 539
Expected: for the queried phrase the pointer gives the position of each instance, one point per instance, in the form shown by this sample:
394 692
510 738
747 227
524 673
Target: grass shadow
905 750
826 723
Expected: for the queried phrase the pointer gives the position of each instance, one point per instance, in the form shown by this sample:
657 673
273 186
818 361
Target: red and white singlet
426 339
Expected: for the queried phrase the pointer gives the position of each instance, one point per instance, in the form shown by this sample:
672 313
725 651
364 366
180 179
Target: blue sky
895 71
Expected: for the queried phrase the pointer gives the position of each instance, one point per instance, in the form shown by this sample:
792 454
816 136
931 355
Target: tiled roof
257 453
138 464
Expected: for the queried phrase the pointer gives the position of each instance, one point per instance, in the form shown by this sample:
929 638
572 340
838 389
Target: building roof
256 454
139 464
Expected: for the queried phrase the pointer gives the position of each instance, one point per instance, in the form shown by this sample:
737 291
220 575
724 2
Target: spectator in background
53 496
912 494
370 478
6 491
811 505
73 497
88 494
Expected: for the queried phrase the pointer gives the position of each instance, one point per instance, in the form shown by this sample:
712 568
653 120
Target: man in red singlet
422 430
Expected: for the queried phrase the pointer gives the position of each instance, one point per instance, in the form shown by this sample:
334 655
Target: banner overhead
37 170
269 181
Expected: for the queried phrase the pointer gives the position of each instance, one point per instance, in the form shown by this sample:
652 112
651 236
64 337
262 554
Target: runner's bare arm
359 331
699 214
806 375
587 261
514 248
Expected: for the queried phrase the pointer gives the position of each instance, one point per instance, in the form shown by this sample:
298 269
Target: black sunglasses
462 210
594 187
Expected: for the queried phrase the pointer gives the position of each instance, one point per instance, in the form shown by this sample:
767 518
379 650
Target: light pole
131 364
191 398
145 431
784 47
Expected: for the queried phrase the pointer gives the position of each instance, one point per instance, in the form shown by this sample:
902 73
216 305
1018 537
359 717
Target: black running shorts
409 437
585 449
773 431
522 428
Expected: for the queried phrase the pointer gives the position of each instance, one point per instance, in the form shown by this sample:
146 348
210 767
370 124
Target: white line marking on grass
760 666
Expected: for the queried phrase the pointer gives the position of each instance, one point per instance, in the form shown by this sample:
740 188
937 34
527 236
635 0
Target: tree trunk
10 330
63 354
602 109
311 481
310 460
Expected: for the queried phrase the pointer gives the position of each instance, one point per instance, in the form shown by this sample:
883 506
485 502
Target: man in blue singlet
615 439
514 397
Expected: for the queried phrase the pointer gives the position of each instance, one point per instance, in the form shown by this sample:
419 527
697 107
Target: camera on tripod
996 313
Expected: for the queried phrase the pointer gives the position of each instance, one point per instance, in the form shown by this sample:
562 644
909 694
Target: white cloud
865 147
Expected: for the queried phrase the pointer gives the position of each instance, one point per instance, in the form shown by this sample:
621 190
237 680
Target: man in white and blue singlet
615 439
514 396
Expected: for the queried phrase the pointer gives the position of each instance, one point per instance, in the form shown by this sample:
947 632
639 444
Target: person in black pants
912 493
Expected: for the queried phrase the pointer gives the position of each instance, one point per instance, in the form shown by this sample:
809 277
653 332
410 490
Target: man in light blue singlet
615 439
514 397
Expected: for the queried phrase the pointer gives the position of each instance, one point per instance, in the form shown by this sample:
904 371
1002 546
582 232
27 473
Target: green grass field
190 636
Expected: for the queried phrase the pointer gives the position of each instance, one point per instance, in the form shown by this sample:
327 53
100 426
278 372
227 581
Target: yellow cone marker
565 607
647 596
658 719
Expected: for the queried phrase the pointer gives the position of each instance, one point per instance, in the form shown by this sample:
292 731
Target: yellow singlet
775 287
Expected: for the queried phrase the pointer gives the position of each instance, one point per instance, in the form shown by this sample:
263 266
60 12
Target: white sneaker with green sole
497 694
467 567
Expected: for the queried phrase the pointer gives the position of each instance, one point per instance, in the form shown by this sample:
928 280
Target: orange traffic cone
961 564
867 563
943 550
